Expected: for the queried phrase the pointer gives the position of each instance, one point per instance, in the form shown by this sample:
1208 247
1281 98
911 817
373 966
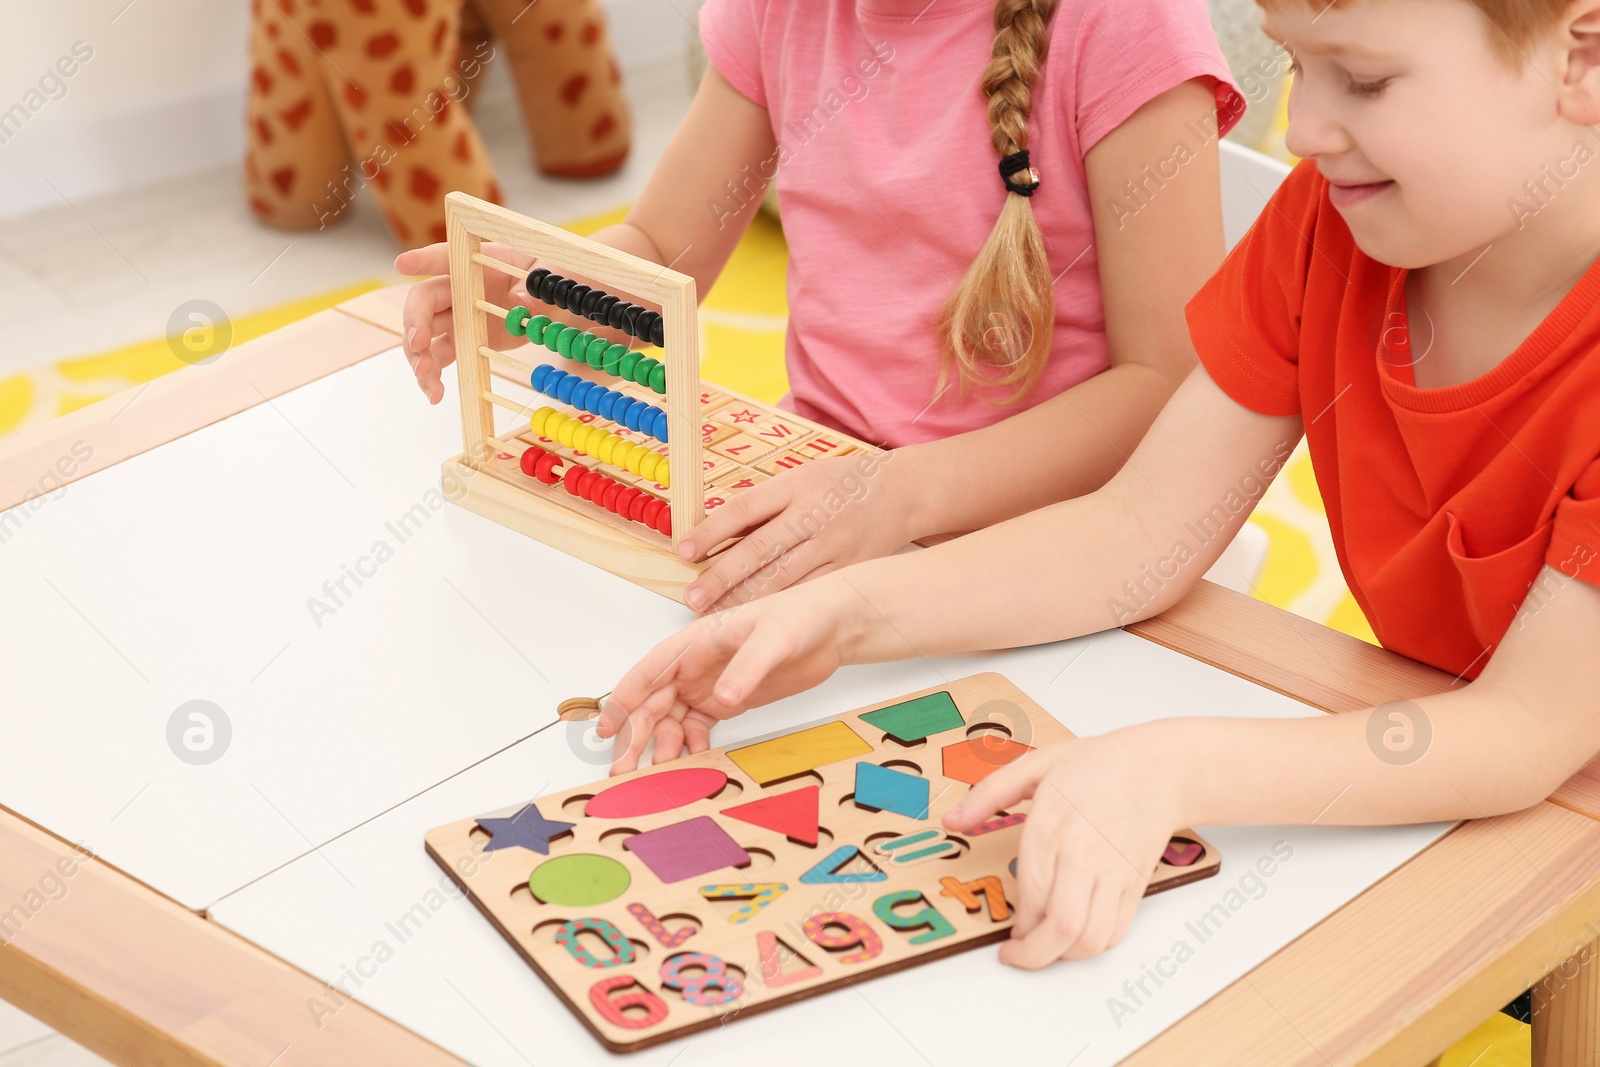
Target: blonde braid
997 324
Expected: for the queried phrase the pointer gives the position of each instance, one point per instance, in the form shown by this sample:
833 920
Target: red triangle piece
794 814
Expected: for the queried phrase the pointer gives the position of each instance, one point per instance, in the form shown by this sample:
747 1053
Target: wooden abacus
602 483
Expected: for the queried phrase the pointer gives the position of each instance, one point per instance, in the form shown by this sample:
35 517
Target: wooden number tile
824 444
713 467
742 448
713 400
736 479
712 432
781 462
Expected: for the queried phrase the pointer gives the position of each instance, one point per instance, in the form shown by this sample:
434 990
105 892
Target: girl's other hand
427 326
808 521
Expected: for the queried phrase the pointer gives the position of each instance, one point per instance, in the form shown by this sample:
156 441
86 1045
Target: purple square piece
687 849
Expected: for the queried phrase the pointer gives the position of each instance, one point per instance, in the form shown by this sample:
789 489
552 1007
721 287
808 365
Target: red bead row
624 500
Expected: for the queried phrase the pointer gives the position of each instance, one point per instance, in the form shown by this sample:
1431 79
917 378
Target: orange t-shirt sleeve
1575 535
1245 321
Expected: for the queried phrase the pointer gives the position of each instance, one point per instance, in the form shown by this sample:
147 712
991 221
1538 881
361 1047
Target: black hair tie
1015 163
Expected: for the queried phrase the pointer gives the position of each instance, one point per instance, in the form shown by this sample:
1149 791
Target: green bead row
585 347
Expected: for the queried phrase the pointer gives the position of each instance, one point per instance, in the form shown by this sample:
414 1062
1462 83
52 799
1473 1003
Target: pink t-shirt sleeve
731 33
1131 51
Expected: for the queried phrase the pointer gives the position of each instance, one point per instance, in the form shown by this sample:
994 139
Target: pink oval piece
656 792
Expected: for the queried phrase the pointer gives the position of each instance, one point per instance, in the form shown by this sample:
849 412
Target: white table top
185 573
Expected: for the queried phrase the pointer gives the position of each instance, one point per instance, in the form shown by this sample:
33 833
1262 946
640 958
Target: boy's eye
1368 89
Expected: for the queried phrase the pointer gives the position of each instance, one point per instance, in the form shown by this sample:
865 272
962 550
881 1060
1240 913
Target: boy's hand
809 521
717 667
427 327
1095 832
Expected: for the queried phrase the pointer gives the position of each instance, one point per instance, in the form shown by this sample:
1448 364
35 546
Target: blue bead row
596 399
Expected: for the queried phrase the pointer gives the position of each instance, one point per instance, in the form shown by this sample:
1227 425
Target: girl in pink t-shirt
995 213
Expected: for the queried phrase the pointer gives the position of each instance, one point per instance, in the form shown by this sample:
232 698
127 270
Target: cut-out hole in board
523 895
803 778
902 765
983 729
573 805
729 792
760 860
614 838
891 739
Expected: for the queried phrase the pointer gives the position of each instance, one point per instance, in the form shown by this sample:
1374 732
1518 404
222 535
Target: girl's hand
811 520
1097 828
717 667
427 326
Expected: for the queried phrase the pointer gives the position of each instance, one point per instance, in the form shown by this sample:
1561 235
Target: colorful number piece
772 973
759 894
654 793
920 847
614 1008
827 871
913 720
713 987
937 925
978 892
998 824
855 933
622 950
792 814
658 929
687 849
804 750
1181 852
888 789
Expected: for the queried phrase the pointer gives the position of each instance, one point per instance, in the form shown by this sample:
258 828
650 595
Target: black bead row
596 305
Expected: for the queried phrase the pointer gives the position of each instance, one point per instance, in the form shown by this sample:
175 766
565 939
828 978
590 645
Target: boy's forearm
1040 577
1065 447
1467 754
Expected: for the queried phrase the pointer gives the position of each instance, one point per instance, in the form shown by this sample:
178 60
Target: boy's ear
1581 86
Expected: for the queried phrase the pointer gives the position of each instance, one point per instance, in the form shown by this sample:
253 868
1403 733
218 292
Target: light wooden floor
98 274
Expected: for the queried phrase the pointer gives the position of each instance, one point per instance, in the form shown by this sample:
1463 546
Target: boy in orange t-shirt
1421 299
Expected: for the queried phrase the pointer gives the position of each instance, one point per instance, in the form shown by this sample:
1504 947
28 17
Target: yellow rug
744 318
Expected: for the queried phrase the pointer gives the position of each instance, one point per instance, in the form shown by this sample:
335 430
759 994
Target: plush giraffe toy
347 95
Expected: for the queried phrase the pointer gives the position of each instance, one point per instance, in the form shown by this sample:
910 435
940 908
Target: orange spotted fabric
372 97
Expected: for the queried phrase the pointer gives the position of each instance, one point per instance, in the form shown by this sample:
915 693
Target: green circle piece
578 881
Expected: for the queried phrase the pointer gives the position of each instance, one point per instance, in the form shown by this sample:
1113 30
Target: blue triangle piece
887 789
828 870
526 828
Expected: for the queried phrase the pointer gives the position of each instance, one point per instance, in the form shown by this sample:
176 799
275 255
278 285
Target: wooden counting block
741 448
736 479
679 898
825 444
779 463
712 432
623 511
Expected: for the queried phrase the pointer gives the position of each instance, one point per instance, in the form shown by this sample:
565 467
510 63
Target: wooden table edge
1346 674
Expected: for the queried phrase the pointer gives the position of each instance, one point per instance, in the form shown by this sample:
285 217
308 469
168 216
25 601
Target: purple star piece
526 828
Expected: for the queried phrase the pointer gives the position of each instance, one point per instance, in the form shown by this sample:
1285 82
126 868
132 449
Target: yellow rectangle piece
796 753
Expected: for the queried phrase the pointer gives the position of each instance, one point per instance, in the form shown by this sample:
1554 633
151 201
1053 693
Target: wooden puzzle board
762 867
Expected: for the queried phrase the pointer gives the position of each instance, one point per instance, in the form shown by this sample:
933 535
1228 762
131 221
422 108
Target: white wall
162 92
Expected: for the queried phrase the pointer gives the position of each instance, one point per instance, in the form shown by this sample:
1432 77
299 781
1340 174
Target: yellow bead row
603 445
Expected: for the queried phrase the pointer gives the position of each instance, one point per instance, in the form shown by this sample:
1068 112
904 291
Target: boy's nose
1314 130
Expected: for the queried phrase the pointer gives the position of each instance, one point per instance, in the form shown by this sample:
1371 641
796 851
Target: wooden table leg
1566 1012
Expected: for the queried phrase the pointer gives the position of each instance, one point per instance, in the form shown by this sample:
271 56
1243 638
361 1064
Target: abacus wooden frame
572 525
